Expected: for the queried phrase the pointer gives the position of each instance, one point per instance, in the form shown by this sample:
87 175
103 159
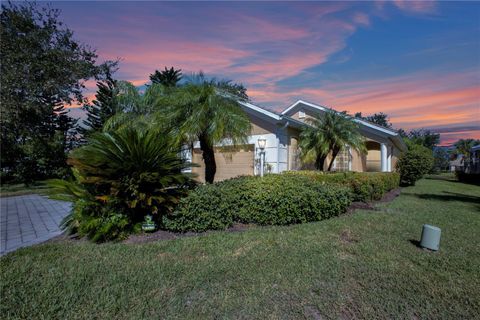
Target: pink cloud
414 101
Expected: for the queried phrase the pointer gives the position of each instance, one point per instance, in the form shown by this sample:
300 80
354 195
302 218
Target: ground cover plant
365 265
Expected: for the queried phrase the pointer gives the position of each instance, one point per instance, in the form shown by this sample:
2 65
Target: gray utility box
430 237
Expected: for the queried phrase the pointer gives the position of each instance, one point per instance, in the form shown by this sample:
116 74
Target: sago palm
330 132
135 169
206 111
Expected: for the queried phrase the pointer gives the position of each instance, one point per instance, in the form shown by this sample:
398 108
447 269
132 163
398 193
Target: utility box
430 237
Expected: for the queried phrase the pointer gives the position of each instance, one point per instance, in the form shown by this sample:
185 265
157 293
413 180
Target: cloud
424 6
417 100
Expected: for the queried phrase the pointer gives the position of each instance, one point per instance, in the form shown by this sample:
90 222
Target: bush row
364 186
271 200
473 178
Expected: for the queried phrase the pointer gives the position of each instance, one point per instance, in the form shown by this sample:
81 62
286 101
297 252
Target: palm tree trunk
335 152
208 159
319 161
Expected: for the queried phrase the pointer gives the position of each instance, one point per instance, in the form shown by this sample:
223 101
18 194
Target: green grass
19 189
358 266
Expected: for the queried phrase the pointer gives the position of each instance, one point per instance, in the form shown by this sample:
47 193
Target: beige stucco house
282 130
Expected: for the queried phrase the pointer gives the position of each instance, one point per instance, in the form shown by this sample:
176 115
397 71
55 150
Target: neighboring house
473 165
457 163
282 132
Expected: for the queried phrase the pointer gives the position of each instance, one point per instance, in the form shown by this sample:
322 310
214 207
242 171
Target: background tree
424 138
378 118
168 77
463 146
43 69
441 158
330 132
103 107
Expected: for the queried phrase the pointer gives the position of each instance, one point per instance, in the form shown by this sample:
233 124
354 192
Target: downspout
278 146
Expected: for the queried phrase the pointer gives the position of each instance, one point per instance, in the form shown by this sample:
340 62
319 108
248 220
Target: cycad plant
138 167
330 132
123 176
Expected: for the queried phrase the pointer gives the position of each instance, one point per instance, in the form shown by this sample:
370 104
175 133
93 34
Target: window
301 114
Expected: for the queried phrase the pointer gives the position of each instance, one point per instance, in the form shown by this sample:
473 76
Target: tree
207 111
424 138
463 146
43 69
380 119
168 77
330 132
103 107
441 158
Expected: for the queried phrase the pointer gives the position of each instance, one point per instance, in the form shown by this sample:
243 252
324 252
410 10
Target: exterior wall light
262 143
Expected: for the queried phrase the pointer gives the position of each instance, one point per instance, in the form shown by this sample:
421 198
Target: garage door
231 162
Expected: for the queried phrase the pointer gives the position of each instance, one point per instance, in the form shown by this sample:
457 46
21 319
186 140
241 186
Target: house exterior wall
282 153
231 162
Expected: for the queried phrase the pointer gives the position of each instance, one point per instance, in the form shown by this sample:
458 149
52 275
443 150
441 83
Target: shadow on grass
416 243
448 196
450 178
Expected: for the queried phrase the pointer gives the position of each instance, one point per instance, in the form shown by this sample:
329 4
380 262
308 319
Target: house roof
284 117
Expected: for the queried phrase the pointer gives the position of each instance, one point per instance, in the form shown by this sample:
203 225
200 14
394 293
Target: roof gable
300 103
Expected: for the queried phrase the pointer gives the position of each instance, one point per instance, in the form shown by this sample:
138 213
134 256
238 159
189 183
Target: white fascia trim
365 123
368 124
305 103
260 110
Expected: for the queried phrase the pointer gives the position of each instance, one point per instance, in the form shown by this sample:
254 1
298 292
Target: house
456 164
473 164
281 132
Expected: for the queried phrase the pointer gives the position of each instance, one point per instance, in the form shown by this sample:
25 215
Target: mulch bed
237 227
387 197
167 235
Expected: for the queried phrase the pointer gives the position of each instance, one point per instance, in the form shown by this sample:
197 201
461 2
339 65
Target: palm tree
463 146
207 111
330 132
168 77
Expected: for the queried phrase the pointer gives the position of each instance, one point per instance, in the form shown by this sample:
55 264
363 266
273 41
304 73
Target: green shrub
364 186
205 208
271 200
414 164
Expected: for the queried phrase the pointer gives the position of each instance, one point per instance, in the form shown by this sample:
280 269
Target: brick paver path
28 220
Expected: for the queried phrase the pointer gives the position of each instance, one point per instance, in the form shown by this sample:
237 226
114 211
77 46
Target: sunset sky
419 62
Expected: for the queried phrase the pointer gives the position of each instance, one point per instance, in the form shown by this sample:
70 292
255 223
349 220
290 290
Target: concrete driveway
28 220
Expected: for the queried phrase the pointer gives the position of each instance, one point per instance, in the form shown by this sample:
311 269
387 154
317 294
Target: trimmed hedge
271 200
365 186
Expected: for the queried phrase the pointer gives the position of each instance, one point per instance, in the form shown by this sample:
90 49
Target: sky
418 62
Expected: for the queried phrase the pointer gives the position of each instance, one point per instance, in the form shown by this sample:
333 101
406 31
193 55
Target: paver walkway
30 219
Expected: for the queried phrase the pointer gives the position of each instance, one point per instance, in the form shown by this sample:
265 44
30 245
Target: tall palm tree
207 111
330 132
168 77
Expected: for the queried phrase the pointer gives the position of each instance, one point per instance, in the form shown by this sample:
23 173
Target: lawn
19 189
364 265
